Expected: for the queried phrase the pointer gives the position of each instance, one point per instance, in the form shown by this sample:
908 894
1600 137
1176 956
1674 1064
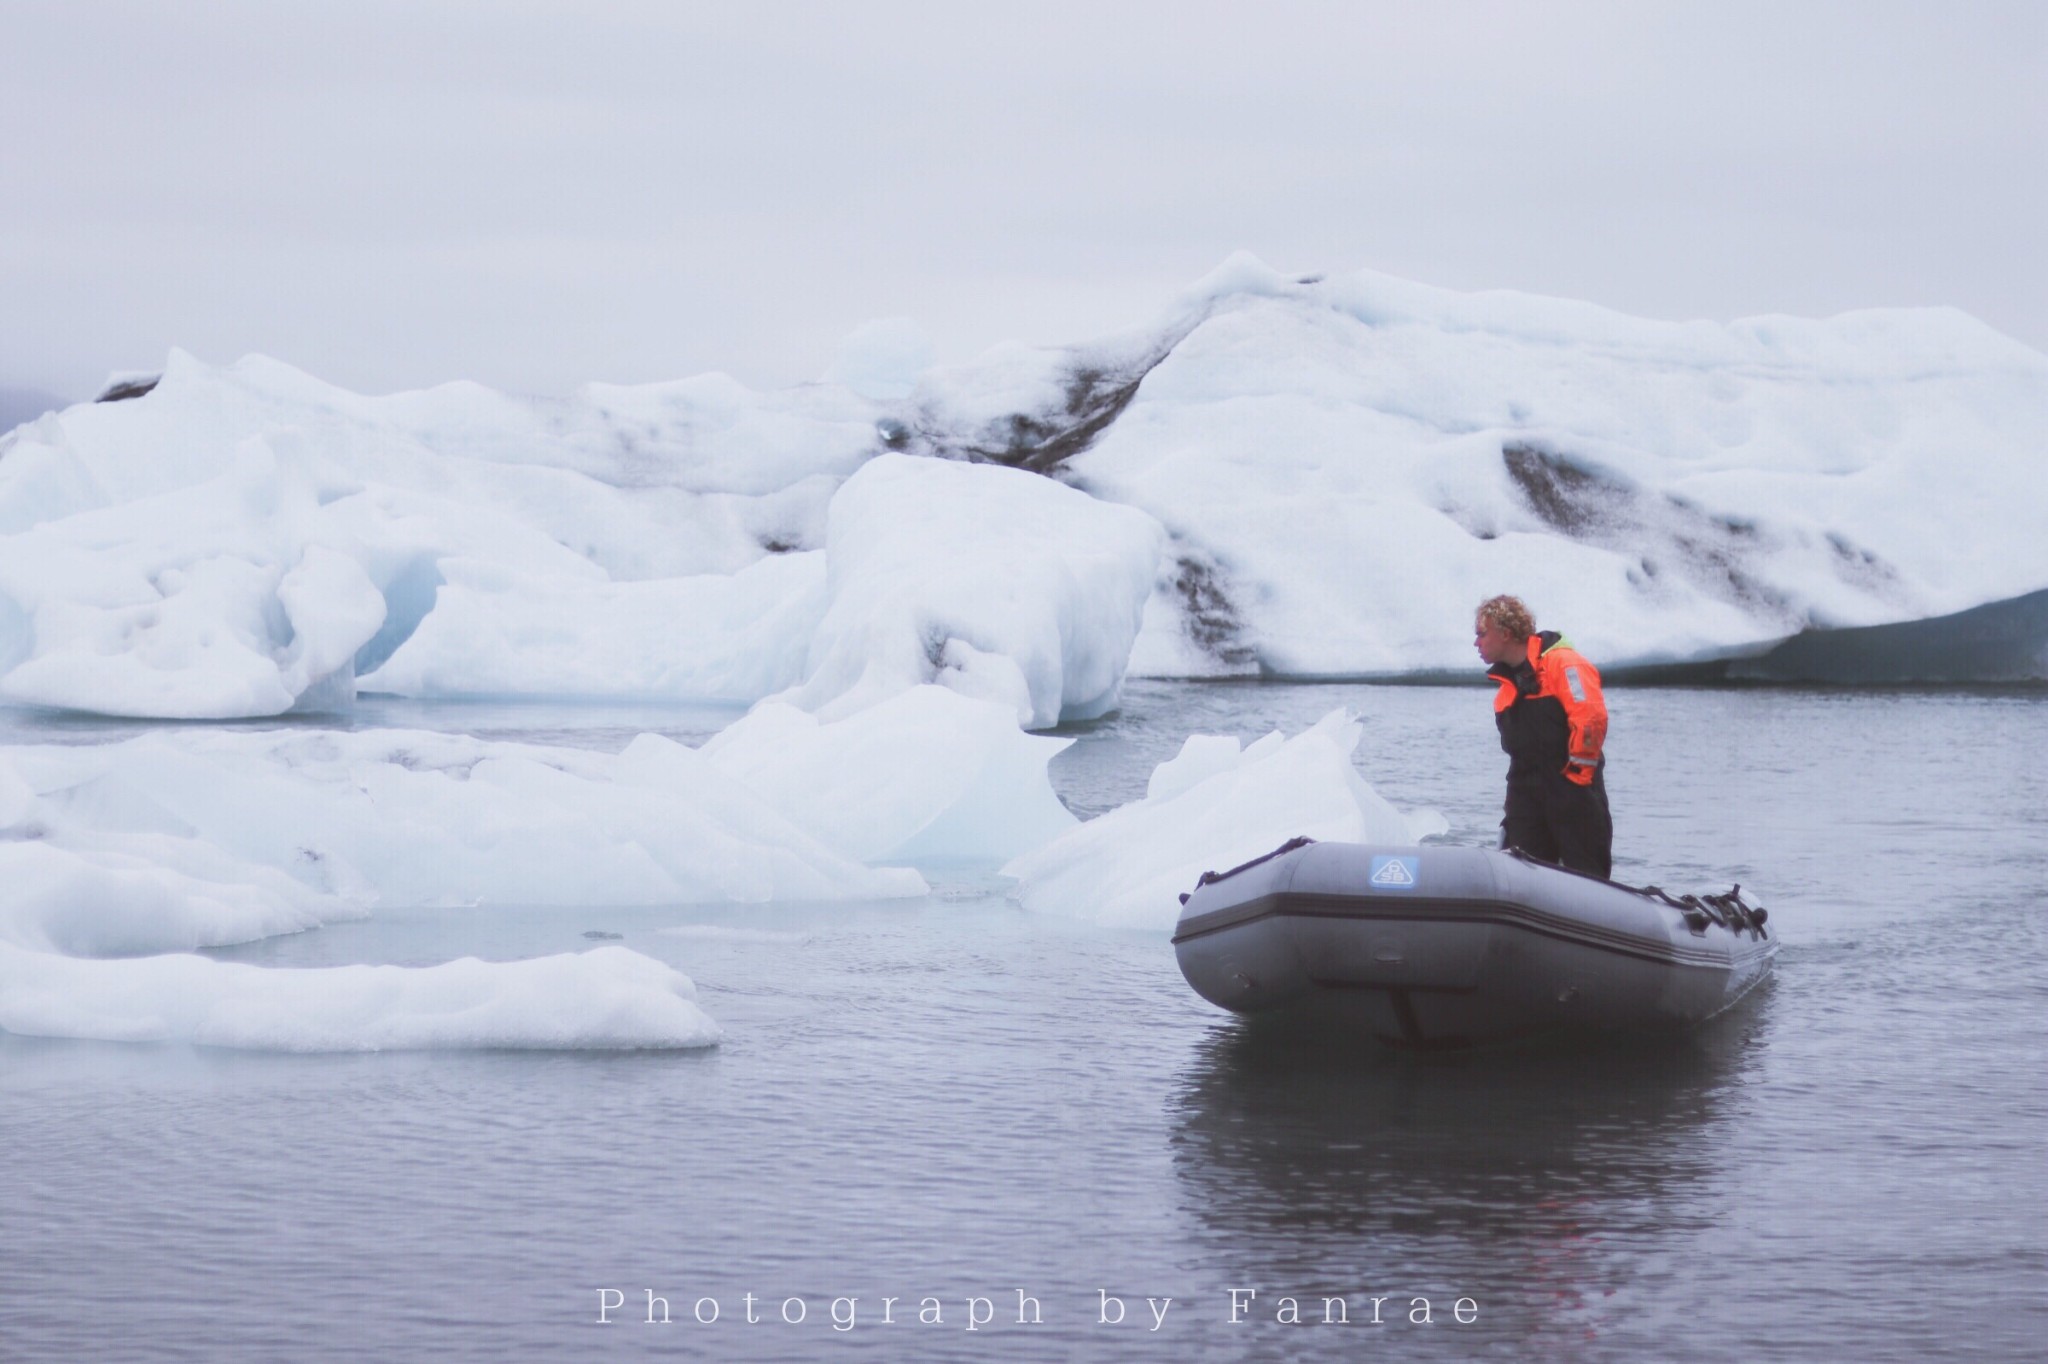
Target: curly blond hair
1509 614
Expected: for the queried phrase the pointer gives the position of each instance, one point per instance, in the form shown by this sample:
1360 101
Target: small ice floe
115 868
607 999
414 818
924 773
1212 806
734 933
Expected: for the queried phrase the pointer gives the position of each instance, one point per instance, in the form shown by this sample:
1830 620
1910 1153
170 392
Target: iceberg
116 869
925 775
121 858
993 582
415 818
1293 477
500 631
181 554
609 998
147 893
1346 466
1214 805
210 601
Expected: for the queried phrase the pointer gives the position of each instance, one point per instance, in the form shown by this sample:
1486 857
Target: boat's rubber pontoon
1450 947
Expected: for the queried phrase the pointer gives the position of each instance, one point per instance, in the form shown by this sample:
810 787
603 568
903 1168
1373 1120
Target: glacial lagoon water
955 1100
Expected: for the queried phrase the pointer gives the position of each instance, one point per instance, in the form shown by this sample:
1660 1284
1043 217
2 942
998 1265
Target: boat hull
1441 947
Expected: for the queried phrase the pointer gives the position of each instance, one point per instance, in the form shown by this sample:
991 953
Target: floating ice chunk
923 774
998 583
99 868
147 893
609 998
729 933
422 819
500 631
1208 808
1201 757
205 602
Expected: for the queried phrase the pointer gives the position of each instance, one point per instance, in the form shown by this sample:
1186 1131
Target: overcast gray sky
532 195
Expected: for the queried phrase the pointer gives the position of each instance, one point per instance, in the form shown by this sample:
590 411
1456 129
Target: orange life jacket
1555 676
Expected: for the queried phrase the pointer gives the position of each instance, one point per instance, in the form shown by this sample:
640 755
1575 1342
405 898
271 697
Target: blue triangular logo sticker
1396 873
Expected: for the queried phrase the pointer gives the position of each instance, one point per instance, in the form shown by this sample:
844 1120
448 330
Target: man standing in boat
1552 721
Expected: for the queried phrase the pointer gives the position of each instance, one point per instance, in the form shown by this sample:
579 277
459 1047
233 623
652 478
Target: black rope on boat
1210 878
1730 911
1740 911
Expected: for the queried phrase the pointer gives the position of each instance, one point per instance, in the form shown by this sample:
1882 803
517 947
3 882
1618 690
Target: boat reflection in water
1555 1185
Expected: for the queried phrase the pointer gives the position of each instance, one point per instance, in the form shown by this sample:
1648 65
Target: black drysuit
1553 721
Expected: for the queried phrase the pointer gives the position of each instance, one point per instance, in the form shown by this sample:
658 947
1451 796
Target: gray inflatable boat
1441 947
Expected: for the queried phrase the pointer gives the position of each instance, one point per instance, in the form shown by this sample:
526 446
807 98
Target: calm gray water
956 1100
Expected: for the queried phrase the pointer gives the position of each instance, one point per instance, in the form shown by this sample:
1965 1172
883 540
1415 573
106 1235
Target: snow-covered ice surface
1348 465
176 554
1342 468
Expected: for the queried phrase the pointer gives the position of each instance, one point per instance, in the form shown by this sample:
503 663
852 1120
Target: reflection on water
1525 1178
1281 1135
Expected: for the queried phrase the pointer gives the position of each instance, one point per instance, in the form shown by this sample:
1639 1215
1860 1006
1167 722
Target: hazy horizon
536 196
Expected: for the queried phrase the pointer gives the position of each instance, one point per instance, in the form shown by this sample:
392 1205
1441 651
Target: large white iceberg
1342 467
1348 466
182 554
992 581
